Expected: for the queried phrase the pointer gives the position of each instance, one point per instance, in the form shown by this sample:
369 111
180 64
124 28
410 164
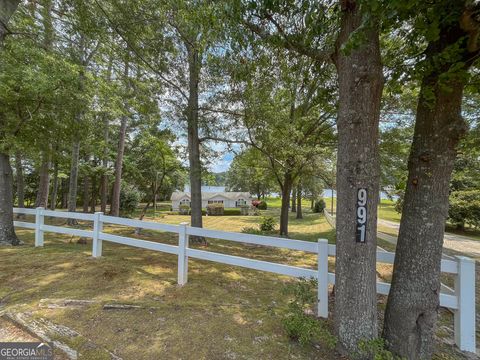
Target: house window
240 202
215 201
185 202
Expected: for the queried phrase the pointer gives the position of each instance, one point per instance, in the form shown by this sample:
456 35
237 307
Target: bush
129 199
299 321
232 211
268 224
319 206
259 204
262 205
464 208
184 209
215 209
251 230
244 209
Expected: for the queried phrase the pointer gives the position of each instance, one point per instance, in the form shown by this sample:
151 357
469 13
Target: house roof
179 195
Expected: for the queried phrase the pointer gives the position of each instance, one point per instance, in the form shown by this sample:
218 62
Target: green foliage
249 171
268 224
184 209
262 205
231 212
465 208
215 209
375 349
319 206
129 199
252 230
299 322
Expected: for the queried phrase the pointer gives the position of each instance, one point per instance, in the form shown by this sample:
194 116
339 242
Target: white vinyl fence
462 302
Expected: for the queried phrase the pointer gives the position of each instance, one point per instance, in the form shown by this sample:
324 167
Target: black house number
361 226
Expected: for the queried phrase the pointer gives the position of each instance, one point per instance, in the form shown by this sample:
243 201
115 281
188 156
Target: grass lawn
224 312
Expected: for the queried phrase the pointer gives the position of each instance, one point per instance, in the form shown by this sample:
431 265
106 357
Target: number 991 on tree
361 223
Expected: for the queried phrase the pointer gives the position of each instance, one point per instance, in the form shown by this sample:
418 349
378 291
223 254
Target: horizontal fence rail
461 301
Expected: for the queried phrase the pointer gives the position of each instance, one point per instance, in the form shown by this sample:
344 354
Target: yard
135 310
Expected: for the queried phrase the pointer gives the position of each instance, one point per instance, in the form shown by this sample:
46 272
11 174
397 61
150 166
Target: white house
228 199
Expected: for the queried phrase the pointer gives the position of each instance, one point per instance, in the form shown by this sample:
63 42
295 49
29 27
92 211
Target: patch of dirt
11 333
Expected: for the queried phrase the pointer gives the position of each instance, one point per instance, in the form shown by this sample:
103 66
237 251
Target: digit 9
362 197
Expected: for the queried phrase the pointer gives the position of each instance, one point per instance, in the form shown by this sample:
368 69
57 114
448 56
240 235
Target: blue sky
223 163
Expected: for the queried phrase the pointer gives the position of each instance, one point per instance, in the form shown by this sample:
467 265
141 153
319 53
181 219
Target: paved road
460 243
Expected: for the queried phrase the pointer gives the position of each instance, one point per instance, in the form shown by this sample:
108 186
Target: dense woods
105 104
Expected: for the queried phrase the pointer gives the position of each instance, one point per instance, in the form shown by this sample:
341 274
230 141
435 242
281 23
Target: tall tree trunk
299 203
360 88
93 197
44 185
413 302
73 183
104 179
64 194
115 205
294 200
86 193
106 139
53 198
7 231
194 64
286 189
20 181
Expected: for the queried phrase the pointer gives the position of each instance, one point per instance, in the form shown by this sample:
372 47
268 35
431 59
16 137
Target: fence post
182 254
39 221
97 229
464 321
322 257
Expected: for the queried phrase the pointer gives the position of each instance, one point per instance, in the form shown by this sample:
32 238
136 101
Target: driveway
458 243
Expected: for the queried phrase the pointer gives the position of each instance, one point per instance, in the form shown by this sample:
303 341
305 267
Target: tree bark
104 179
294 200
286 189
115 205
93 197
44 185
413 302
20 181
73 183
53 198
360 88
7 230
299 203
194 65
86 193
64 194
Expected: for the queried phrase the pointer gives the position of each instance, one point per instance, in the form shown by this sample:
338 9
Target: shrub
259 204
215 209
129 199
268 224
319 206
232 211
244 209
464 208
262 205
299 322
184 209
251 230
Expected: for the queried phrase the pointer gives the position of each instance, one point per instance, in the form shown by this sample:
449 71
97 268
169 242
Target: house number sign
361 226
